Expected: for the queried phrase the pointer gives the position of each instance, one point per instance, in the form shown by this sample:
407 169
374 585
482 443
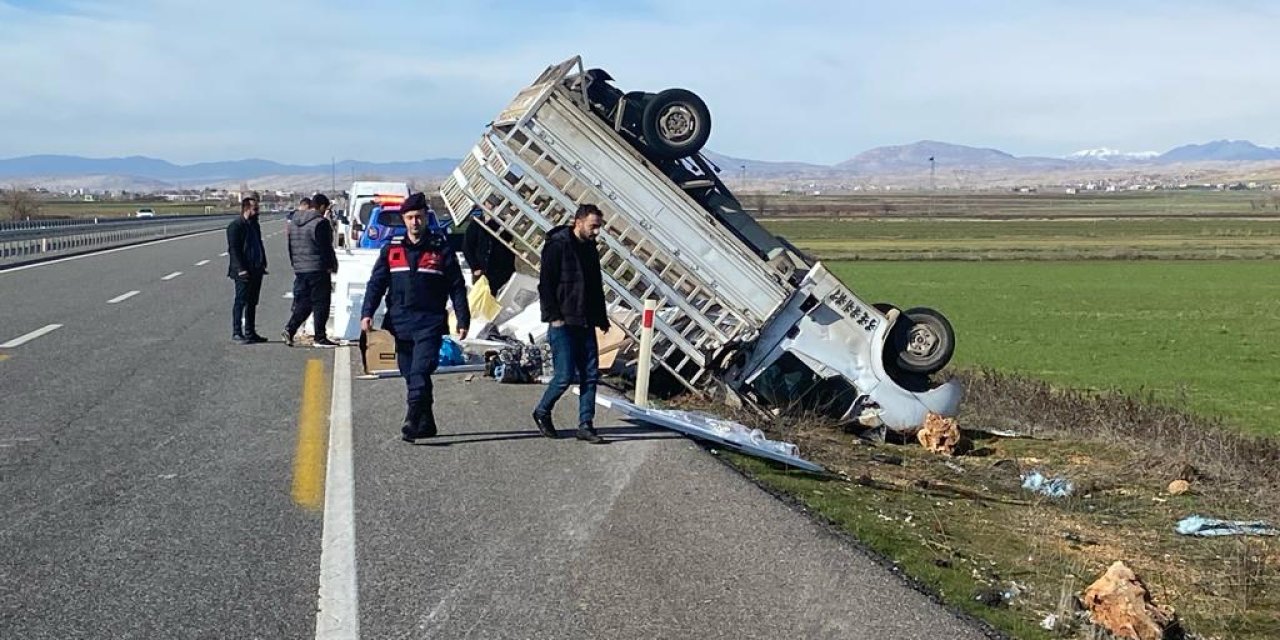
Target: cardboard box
610 344
378 352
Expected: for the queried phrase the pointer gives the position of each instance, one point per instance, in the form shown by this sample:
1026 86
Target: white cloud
301 81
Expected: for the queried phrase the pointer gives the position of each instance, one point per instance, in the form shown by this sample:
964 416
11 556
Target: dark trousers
497 279
417 358
575 356
311 293
245 307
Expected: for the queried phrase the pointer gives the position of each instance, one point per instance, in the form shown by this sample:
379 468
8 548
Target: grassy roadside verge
963 527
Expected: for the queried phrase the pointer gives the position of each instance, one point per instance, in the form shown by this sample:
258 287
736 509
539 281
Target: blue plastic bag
451 353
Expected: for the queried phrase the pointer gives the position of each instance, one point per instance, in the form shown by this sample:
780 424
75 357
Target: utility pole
933 184
333 171
743 168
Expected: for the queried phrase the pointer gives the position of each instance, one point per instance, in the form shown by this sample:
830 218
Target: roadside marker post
646 354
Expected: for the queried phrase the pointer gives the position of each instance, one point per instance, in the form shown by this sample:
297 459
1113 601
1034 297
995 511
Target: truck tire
922 341
676 124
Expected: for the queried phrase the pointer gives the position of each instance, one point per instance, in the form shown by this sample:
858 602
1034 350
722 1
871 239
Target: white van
360 203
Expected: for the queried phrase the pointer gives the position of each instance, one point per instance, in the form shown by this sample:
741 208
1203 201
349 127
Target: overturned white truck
743 311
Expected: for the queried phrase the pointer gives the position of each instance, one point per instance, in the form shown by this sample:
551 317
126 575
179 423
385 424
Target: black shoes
587 433
545 426
288 338
254 338
418 425
324 343
238 338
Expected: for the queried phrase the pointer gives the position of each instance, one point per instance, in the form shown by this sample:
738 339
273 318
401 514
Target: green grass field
1202 335
1058 239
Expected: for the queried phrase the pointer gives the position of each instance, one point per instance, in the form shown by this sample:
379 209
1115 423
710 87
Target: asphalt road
150 475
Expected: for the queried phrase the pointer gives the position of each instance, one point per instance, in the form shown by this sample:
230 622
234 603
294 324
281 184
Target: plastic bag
451 353
483 305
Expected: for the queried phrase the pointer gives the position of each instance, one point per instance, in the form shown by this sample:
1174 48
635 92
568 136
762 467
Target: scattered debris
887 458
1178 487
1212 527
1001 433
939 434
1074 538
954 467
995 596
1056 487
1120 603
990 596
718 430
1050 622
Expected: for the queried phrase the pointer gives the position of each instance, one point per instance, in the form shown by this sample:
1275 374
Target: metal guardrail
26 228
18 225
59 241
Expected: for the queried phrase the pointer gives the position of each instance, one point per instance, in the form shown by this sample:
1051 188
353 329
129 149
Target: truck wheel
676 123
922 341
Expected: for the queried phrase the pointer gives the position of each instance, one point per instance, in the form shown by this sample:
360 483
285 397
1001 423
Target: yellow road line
3 357
313 420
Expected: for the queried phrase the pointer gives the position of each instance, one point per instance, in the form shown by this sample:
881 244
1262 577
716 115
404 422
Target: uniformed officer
417 273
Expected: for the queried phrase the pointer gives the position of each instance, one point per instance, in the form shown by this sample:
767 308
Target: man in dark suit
247 264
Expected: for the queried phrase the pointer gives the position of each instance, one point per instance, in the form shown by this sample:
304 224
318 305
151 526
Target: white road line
124 296
222 255
202 263
21 340
338 611
288 296
101 253
172 275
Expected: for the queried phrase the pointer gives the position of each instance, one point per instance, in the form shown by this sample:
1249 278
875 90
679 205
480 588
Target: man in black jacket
310 239
571 293
418 274
487 255
247 263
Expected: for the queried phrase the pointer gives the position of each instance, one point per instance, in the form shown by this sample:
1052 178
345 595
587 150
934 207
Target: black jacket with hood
570 288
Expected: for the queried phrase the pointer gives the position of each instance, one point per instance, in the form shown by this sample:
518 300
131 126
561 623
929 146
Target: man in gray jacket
310 240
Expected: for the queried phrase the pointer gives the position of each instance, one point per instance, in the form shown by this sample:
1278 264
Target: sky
304 81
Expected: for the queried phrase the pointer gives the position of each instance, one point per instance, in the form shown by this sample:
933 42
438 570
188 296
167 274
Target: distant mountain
1220 151
731 167
1113 155
143 168
900 162
912 158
